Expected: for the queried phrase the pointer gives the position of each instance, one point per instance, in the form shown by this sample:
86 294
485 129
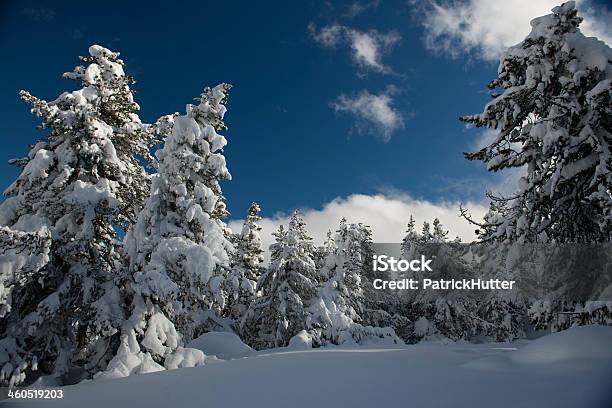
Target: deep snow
223 345
570 369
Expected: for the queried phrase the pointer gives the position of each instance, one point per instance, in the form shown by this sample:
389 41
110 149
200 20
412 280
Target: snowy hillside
567 369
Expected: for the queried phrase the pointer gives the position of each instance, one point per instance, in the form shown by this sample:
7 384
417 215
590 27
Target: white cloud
374 114
328 36
387 215
368 48
596 21
486 28
358 7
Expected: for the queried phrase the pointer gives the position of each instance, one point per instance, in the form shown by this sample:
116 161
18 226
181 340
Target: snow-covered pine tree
398 304
288 288
409 240
78 183
246 266
337 313
381 308
439 235
553 117
178 249
440 314
352 256
426 236
503 311
321 254
568 278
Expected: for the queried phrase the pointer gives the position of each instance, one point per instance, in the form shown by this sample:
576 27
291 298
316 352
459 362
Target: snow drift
419 375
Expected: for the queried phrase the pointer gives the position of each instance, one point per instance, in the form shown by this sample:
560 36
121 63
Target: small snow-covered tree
503 311
381 307
322 252
337 313
78 183
288 288
345 266
438 314
439 235
426 233
552 118
247 260
178 249
409 240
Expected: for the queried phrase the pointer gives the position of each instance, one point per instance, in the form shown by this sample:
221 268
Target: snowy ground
569 369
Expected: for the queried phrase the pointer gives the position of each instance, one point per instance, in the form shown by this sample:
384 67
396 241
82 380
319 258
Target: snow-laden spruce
344 266
504 312
337 312
77 183
440 315
552 119
178 249
288 287
571 278
246 266
497 314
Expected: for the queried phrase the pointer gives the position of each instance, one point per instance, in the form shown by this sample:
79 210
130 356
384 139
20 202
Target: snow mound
224 345
582 343
301 341
359 377
187 357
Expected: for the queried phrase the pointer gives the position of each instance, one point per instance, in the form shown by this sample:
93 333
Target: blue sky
291 140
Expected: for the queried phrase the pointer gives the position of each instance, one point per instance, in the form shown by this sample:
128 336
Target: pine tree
552 118
321 255
288 288
246 268
439 235
381 308
439 314
503 311
178 250
345 267
426 233
552 115
409 240
569 278
337 313
78 183
399 305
